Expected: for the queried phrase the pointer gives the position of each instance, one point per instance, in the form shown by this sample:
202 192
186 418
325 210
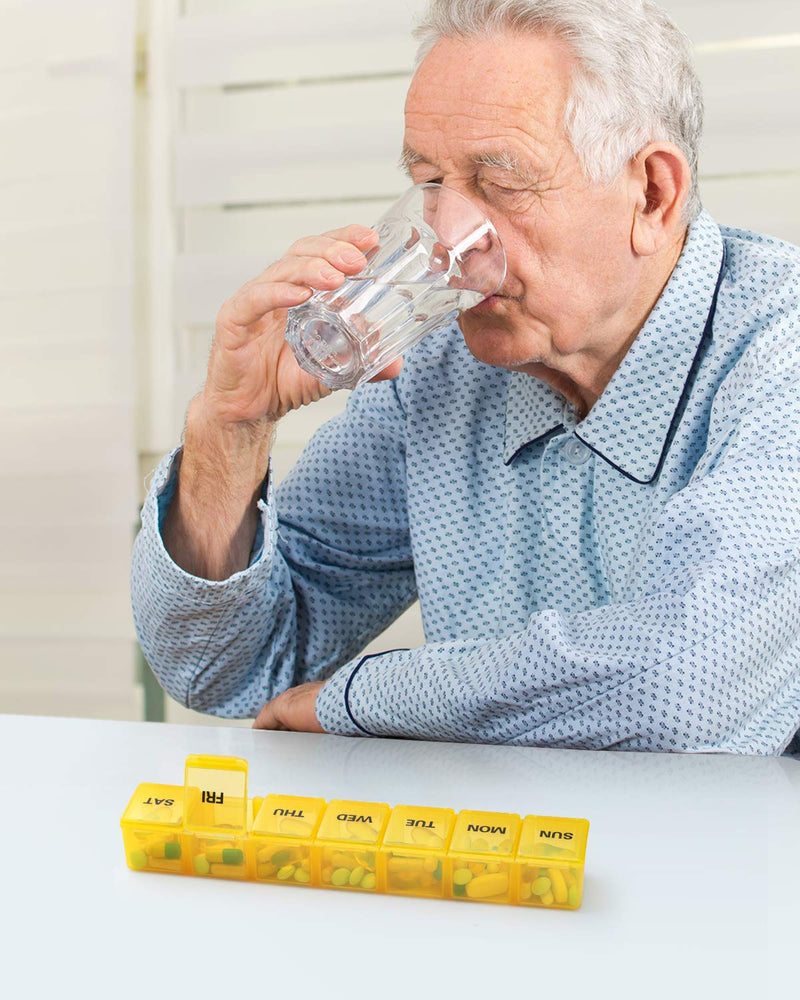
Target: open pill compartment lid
215 791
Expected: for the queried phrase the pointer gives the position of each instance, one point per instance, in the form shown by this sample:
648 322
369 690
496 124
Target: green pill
138 859
437 872
368 881
232 856
301 875
341 876
172 850
573 895
280 858
201 865
356 875
459 890
462 875
286 872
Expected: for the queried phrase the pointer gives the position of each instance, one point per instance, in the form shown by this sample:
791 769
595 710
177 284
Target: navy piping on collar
358 666
542 437
702 347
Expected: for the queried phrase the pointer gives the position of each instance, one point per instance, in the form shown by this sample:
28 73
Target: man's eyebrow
504 159
408 158
501 159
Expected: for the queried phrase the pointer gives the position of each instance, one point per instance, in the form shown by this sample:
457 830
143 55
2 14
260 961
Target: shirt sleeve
326 576
704 653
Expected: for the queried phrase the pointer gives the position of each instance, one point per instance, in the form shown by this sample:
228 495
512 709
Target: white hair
634 80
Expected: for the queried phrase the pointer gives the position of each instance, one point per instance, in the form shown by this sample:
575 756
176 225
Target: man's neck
585 386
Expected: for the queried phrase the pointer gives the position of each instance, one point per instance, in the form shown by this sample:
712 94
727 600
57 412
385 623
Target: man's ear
660 180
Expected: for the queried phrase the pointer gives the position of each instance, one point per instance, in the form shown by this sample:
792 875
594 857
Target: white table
692 875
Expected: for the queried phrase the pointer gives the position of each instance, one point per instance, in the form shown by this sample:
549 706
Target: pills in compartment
210 828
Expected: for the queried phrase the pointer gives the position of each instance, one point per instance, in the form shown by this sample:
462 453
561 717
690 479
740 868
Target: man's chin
490 342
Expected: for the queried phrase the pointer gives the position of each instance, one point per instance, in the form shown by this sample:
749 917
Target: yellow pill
477 868
156 850
540 886
296 827
405 880
525 891
405 864
223 869
340 876
429 864
487 885
574 895
548 899
356 875
339 860
426 837
305 864
266 870
302 876
558 884
138 859
214 854
368 881
493 867
327 874
358 831
201 865
286 872
264 855
461 876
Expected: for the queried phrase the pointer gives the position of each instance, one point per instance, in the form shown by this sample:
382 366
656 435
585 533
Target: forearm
212 520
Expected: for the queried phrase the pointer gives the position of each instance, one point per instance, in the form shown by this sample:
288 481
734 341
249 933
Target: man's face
476 107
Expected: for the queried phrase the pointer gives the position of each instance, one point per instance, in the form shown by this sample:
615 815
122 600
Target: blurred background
157 154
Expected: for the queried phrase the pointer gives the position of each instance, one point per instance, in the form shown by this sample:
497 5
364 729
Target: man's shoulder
758 261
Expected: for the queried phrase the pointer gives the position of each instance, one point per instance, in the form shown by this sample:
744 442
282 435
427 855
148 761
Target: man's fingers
362 236
252 302
390 371
345 256
266 718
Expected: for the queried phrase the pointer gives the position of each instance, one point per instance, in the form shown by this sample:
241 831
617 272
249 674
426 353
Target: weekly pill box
208 827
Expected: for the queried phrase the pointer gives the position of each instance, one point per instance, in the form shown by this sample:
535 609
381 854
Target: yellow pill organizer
211 829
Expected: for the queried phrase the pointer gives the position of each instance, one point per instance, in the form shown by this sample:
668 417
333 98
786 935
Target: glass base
324 345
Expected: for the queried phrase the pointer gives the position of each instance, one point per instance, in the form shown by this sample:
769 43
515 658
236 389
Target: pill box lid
155 805
485 833
425 827
551 838
288 816
348 822
215 793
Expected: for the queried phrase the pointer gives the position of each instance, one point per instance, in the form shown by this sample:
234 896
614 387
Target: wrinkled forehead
473 90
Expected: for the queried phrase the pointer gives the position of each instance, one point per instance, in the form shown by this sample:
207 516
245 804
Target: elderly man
592 483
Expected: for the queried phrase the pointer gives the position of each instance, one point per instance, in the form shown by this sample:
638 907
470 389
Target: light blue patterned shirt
629 581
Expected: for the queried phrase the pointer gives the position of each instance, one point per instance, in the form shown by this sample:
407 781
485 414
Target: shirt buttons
575 452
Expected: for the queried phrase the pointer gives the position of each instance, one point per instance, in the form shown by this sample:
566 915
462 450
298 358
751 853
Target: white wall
68 494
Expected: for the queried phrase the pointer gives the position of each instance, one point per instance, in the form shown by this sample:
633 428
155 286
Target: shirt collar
630 425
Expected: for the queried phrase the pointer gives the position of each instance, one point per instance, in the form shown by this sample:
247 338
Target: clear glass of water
438 255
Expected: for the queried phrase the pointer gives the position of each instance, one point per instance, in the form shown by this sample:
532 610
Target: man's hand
293 710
